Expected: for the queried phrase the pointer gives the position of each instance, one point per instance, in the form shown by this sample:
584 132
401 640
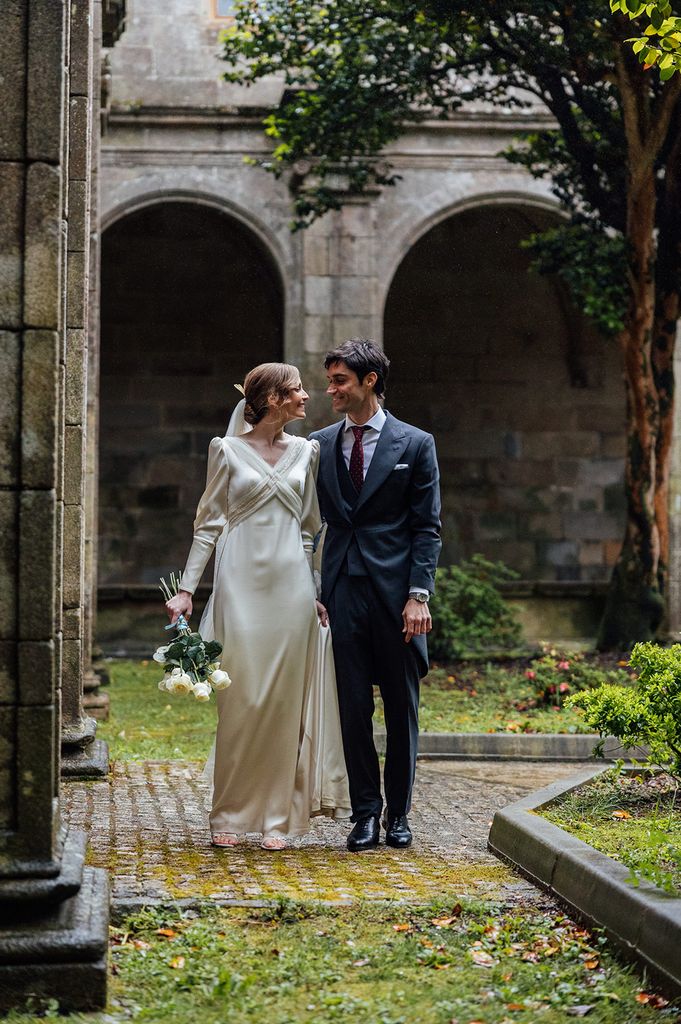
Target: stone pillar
94 702
53 910
340 287
674 598
82 755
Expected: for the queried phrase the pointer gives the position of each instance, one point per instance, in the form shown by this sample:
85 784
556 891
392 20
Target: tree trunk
635 605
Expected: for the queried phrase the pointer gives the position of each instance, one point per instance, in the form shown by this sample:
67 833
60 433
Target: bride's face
293 406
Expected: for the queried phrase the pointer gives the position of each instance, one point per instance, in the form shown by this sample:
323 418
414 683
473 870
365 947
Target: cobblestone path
147 823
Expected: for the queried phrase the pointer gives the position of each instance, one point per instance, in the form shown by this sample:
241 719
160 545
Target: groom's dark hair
362 356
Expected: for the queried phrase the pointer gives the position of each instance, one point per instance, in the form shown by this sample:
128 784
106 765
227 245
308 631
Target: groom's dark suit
380 541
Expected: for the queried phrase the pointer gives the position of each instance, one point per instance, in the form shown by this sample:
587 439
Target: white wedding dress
278 749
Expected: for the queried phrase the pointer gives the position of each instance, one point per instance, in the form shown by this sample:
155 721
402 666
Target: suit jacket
394 521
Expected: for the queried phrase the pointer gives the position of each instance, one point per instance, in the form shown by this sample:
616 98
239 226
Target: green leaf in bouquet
213 649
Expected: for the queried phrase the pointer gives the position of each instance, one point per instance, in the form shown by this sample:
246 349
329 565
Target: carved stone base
90 762
60 953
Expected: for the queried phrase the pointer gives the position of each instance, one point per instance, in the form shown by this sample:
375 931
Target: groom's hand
416 619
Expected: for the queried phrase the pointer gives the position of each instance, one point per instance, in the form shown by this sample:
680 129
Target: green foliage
592 264
647 715
557 674
469 612
660 44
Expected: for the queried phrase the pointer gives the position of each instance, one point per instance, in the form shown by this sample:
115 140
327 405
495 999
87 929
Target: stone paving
147 823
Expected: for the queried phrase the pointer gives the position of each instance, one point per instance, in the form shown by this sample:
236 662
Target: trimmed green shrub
647 714
469 612
557 674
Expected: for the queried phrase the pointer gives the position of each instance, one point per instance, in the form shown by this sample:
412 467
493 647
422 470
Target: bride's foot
273 843
224 839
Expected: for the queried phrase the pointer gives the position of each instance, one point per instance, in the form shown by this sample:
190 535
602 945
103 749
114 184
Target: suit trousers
369 649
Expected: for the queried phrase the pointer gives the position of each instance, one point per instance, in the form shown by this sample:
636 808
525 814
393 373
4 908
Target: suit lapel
329 469
390 444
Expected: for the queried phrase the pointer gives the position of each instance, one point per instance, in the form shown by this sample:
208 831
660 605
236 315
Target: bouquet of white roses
191 663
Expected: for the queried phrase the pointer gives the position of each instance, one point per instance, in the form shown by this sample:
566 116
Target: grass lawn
303 963
147 724
634 820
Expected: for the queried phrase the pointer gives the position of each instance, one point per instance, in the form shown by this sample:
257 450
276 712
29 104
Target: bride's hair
264 380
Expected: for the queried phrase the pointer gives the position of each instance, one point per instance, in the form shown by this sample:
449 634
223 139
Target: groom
379 494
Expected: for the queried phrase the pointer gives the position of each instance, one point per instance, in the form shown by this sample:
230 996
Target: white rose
180 683
220 679
159 654
163 683
202 691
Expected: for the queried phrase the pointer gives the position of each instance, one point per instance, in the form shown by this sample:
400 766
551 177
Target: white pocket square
402 465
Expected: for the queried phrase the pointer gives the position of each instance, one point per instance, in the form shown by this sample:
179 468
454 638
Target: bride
278 750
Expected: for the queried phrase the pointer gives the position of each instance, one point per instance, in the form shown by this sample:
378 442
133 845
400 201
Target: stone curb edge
516 746
642 920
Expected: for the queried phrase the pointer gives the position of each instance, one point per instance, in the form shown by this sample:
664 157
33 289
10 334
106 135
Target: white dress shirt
369 437
369 441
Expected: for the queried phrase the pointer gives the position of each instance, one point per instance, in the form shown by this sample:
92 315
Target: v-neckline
277 464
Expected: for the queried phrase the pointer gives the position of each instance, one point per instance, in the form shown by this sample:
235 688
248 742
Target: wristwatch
419 596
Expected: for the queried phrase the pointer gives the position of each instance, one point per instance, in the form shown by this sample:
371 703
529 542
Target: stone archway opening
524 397
190 300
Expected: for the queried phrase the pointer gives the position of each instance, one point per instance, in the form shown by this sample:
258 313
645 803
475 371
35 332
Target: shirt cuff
418 590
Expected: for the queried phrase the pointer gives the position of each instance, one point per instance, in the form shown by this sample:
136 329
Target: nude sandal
223 839
273 843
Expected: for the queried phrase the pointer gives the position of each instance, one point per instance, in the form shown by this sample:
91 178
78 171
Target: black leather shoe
397 832
364 835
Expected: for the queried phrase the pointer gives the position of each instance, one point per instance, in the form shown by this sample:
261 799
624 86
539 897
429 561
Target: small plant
469 612
557 674
648 714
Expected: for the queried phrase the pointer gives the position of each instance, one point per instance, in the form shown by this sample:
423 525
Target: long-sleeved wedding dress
278 752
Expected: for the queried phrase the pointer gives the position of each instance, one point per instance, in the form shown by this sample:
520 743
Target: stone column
340 287
674 598
82 755
53 910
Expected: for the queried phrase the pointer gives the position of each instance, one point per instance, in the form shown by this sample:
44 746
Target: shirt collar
376 422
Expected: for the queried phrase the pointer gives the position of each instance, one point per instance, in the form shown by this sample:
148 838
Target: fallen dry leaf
652 999
481 958
579 1011
360 963
403 927
621 814
167 933
591 964
514 1007
177 963
442 922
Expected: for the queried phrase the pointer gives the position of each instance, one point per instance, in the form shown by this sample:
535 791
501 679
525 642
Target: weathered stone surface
36 779
37 671
7 774
73 556
80 63
43 252
60 955
39 409
8 671
74 465
9 537
78 216
37 564
72 623
11 242
79 141
75 377
76 291
10 368
13 30
46 41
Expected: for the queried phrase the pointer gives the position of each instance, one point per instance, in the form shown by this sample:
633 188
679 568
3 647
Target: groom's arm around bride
379 494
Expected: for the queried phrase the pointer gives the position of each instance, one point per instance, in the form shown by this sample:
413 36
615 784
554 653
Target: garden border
504 746
642 920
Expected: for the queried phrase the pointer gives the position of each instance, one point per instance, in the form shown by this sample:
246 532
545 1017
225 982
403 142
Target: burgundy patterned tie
357 458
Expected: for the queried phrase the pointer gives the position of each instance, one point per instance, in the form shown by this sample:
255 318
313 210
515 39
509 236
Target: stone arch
192 297
524 397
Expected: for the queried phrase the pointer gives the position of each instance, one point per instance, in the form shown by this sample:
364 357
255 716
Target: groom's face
347 393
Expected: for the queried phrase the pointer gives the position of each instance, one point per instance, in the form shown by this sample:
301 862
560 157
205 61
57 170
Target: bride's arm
311 520
211 517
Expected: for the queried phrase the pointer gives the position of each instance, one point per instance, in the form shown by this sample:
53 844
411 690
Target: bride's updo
263 381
